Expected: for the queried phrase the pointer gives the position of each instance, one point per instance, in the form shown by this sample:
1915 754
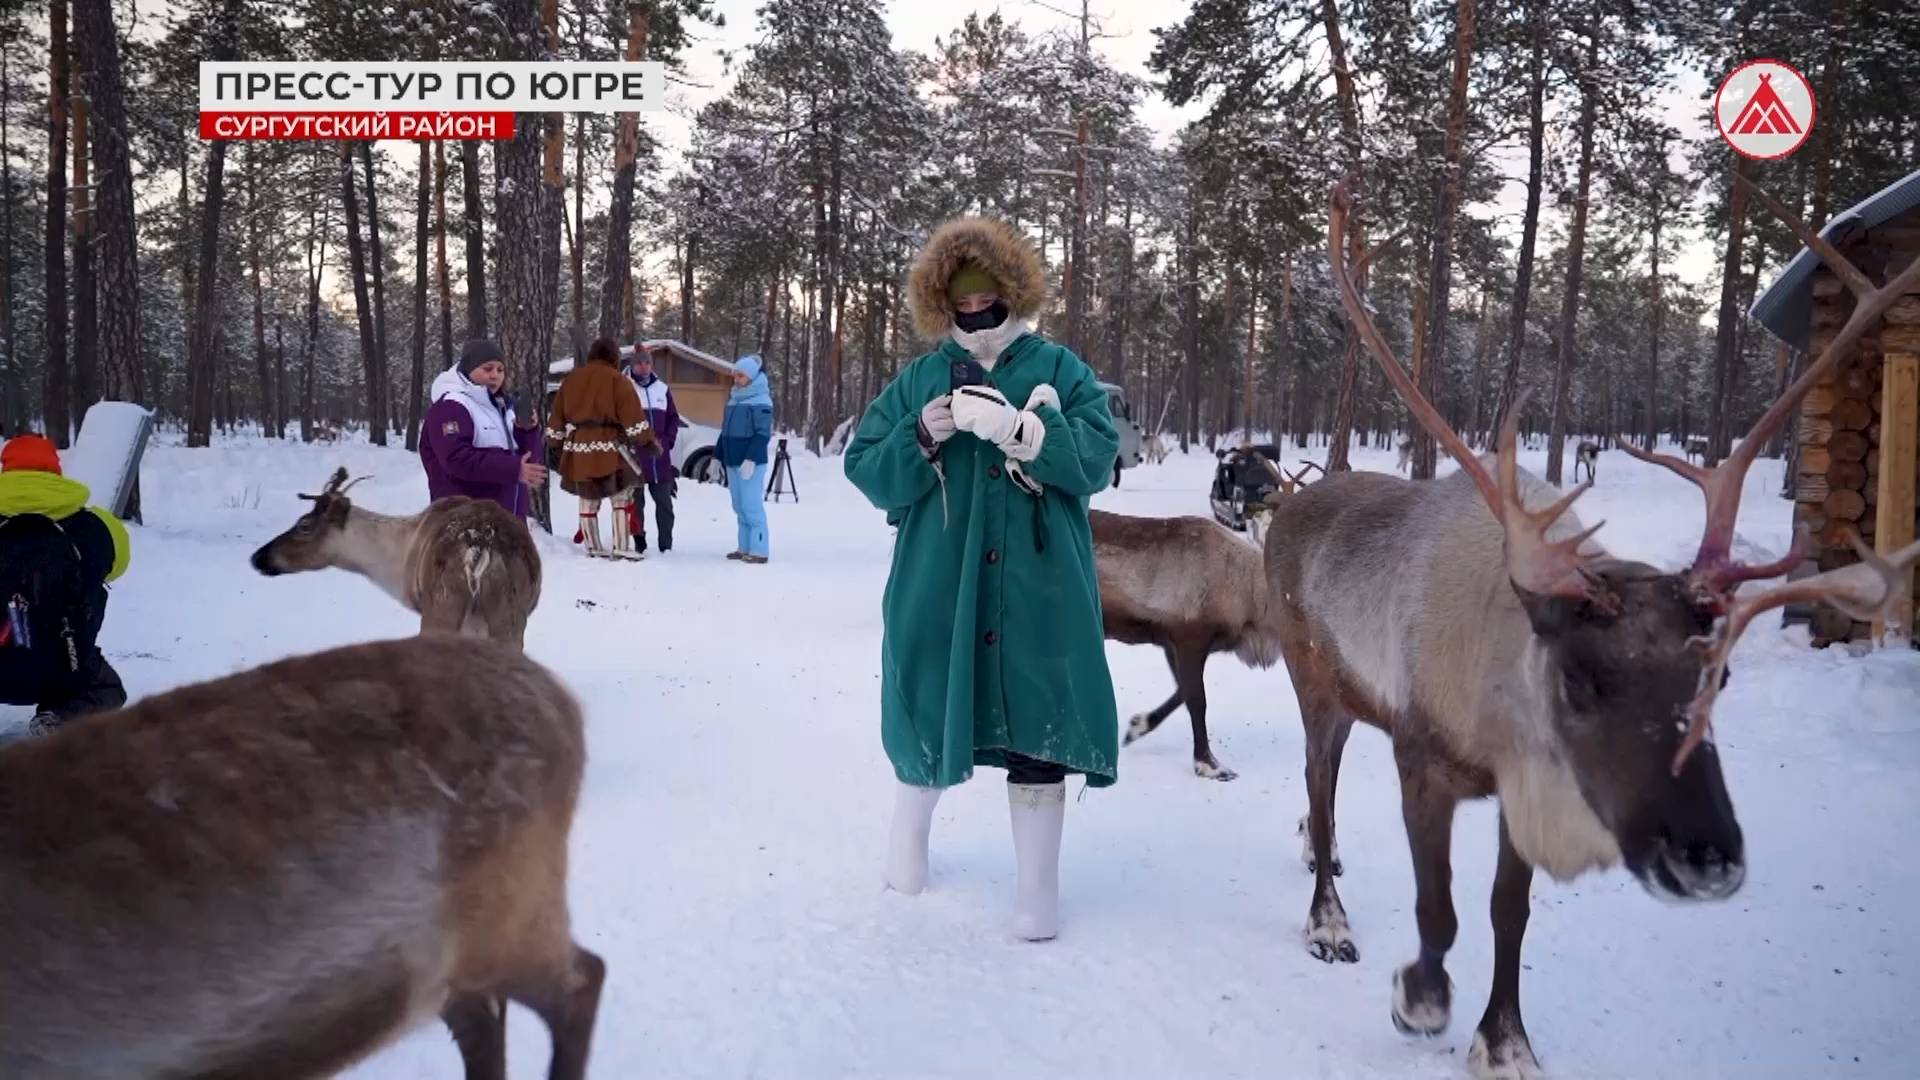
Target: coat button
993 473
992 636
993 557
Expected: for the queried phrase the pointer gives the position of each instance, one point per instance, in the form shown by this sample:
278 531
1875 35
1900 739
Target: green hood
26 492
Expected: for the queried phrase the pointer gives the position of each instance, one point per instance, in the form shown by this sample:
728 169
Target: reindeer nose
1703 870
261 564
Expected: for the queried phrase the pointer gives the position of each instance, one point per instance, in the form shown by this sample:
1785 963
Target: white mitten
746 470
1044 394
985 412
1024 442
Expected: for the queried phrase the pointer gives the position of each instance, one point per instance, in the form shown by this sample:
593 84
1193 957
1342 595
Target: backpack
47 627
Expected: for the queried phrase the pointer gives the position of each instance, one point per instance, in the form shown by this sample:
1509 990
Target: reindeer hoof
1329 940
1213 770
1137 726
1421 1008
1509 1059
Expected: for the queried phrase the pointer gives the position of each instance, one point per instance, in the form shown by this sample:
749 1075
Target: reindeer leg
1336 747
1500 1047
1328 936
479 1026
1143 724
1422 992
1190 668
568 1004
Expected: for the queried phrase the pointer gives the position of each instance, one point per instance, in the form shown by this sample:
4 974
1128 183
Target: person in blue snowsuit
745 430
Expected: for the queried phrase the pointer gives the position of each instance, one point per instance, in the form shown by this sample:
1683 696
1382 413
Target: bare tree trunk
86 296
382 406
618 256
14 415
316 263
203 342
1724 337
473 218
416 387
1530 221
255 274
1565 351
1342 428
55 405
1440 283
119 279
440 250
362 303
687 265
1658 298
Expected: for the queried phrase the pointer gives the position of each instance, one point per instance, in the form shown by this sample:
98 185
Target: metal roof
1787 305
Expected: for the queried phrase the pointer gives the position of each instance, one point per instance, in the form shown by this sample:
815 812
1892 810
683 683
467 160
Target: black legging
1022 769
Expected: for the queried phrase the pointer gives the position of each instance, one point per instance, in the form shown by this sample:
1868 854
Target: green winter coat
993 640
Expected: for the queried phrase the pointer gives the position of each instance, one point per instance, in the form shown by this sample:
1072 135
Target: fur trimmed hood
998 247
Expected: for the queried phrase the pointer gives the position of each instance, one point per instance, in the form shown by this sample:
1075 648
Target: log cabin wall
1838 485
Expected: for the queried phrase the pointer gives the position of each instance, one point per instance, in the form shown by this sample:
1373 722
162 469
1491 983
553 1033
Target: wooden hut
1855 468
700 381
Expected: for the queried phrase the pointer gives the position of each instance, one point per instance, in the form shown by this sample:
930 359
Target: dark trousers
1022 769
662 493
98 690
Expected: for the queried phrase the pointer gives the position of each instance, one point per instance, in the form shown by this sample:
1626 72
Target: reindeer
1697 448
1406 456
1585 454
1192 588
277 873
1153 449
1473 619
1260 514
467 566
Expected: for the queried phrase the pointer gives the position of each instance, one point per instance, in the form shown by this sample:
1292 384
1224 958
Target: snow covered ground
728 847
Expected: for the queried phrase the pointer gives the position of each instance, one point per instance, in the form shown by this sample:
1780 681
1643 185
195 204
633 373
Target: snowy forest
301 289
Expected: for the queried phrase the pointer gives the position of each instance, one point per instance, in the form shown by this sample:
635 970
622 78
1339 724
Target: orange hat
34 453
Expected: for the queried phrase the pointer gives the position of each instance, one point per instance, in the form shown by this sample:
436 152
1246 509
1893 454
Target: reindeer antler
1865 590
1713 565
1534 563
337 485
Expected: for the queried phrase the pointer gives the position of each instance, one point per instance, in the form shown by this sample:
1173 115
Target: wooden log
1847 475
1848 446
1873 433
1852 414
1845 505
1820 400
1826 285
1854 383
1816 459
1904 312
1834 538
1900 339
1815 431
1873 462
1899 447
1811 488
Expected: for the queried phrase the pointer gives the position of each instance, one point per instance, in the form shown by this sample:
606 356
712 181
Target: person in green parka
983 454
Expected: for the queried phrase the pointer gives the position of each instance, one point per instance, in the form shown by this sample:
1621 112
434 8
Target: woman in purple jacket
471 443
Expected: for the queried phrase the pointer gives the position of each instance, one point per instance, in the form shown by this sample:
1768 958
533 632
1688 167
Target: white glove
746 470
985 412
1028 434
1044 394
936 420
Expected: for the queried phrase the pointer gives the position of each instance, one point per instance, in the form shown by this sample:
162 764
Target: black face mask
975 321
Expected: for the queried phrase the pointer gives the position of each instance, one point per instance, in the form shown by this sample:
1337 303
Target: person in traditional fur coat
598 421
984 453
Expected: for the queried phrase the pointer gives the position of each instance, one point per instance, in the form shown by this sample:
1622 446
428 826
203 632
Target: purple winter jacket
455 466
664 415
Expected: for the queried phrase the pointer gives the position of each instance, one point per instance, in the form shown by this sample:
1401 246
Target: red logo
1764 109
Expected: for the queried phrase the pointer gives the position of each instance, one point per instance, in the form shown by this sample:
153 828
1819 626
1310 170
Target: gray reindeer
1474 620
467 566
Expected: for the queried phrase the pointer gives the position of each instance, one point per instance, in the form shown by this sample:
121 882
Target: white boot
907 848
590 530
1038 811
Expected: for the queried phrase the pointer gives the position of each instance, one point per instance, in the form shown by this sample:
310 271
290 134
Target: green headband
971 278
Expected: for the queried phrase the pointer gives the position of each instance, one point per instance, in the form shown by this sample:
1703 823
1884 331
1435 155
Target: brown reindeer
466 565
1474 621
277 873
1192 588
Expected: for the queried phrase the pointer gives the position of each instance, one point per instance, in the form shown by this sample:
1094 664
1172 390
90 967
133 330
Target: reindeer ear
336 510
1552 614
